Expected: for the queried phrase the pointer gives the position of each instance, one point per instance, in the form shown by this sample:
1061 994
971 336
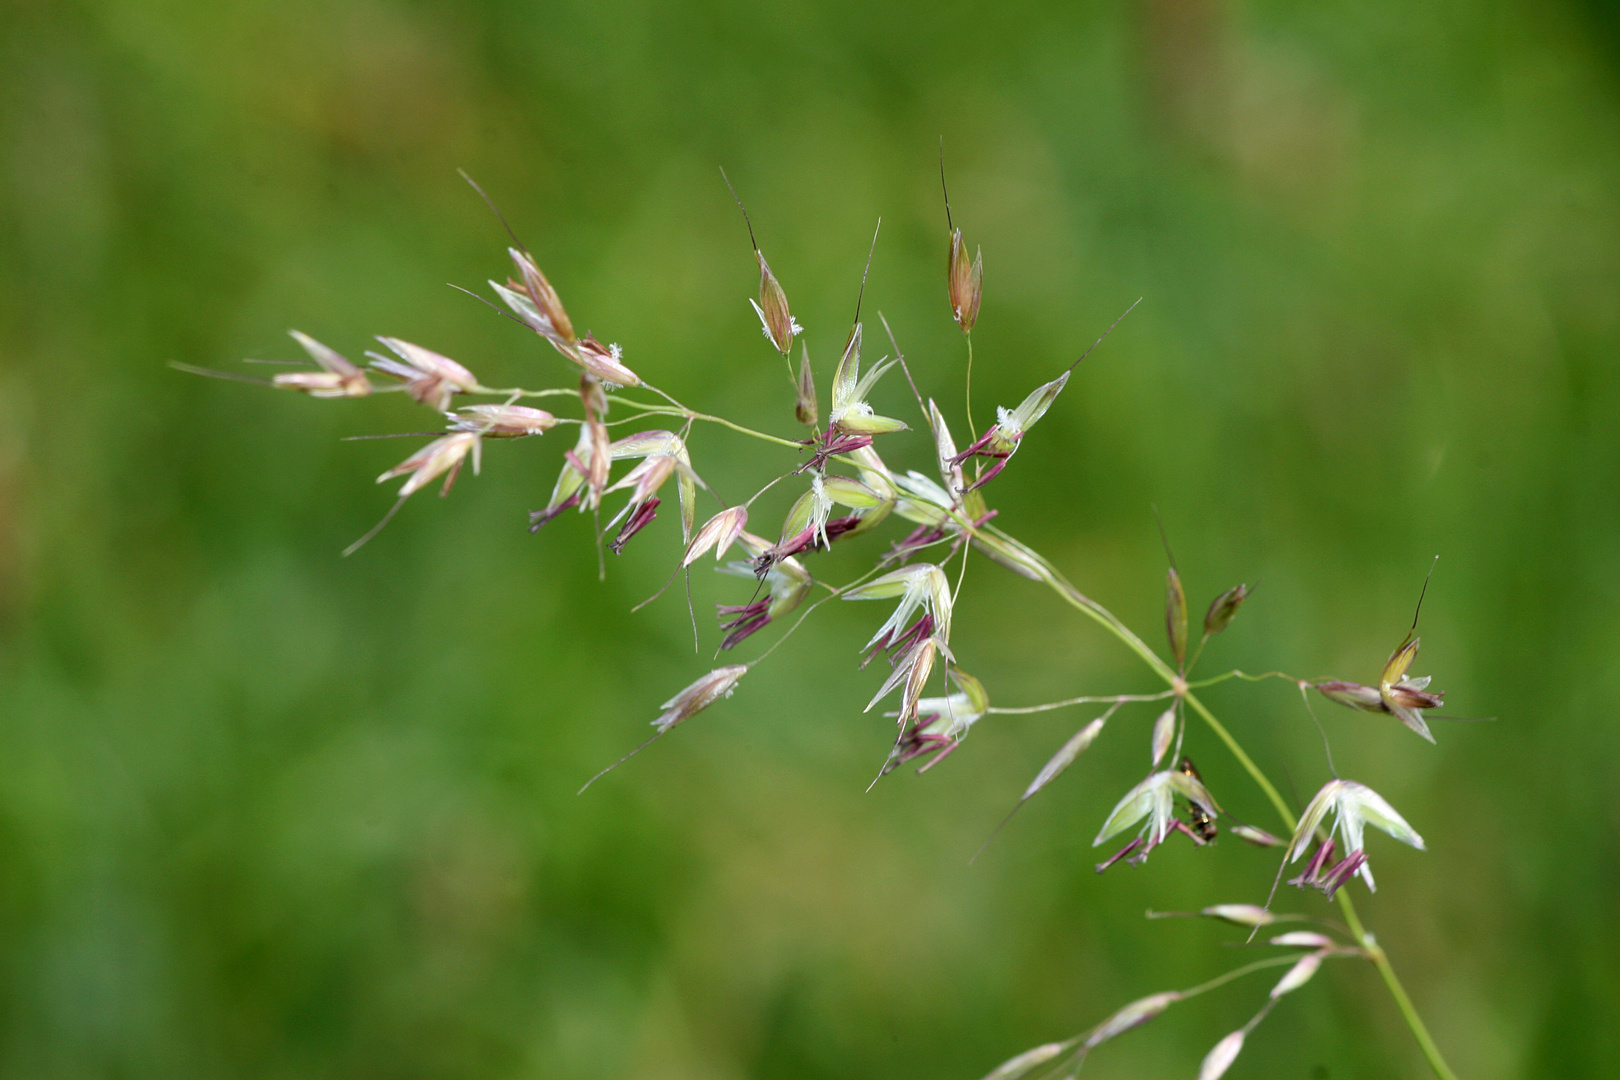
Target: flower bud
429 378
1077 744
1013 1068
1175 616
717 684
542 294
1133 1015
502 421
1365 698
1223 608
1220 1058
1303 939
965 282
338 377
719 533
847 491
805 407
444 454
1257 837
1164 729
1298 975
1400 660
1240 914
772 309
602 361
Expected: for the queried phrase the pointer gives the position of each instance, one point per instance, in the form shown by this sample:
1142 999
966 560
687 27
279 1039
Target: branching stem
1107 699
1374 951
1054 580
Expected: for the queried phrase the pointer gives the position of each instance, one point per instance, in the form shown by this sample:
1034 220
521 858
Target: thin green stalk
1110 699
689 414
1110 622
973 435
1375 952
1244 759
1237 973
1409 1013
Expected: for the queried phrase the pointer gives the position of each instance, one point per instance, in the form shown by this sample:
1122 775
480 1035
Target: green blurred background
269 812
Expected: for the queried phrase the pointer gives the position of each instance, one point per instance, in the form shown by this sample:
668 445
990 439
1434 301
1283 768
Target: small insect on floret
1152 802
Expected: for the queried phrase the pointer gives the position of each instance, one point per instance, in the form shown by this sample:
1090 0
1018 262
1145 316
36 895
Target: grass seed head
1405 696
951 716
1175 616
603 362
1354 695
719 533
786 578
1010 554
502 421
805 407
851 414
338 377
965 282
543 296
1152 803
1015 1068
1224 608
1398 694
1353 806
1164 729
778 323
444 454
1133 1015
1075 745
708 689
1221 1056
429 378
1250 915
1257 837
1298 975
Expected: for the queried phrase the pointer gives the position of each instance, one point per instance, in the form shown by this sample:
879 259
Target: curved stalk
1050 576
1409 1013
1375 953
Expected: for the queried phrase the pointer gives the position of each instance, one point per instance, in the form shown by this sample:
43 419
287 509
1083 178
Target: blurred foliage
268 812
